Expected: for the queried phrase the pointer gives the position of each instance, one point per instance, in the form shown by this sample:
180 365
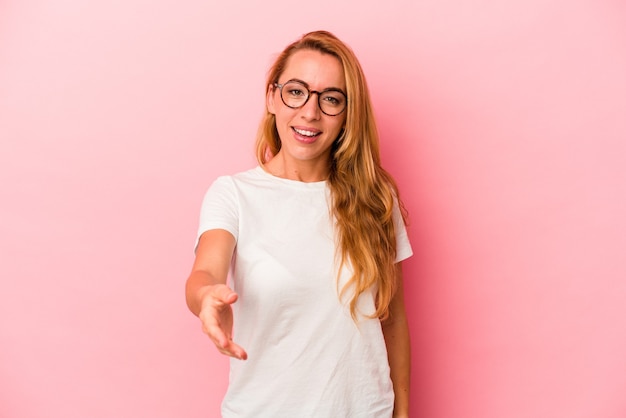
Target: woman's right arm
208 296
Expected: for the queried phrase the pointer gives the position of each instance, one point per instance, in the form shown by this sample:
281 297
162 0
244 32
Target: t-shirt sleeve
220 209
403 245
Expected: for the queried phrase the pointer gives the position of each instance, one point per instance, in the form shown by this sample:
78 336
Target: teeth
305 133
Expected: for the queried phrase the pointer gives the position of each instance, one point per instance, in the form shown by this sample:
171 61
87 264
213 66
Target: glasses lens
294 94
332 102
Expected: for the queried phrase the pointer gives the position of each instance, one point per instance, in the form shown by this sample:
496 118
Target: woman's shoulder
238 177
258 180
249 181
249 175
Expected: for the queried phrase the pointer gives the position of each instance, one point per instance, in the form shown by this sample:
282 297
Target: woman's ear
269 99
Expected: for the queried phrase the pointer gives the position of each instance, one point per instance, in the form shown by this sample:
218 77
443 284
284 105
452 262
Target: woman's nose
311 109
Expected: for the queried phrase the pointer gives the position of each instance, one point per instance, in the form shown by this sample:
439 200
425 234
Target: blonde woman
315 321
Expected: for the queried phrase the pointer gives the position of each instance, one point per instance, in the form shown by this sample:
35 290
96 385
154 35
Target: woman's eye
296 93
332 100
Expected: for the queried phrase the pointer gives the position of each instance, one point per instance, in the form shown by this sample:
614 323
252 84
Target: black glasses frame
310 93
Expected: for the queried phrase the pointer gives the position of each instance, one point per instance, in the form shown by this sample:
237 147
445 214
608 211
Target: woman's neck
304 171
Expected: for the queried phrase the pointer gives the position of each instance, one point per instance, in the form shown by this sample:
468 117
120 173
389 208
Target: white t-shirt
306 355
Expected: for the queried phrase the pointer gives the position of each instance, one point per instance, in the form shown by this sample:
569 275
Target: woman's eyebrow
299 81
309 87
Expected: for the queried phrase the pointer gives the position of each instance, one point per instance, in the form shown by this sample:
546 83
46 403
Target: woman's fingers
224 294
234 350
217 320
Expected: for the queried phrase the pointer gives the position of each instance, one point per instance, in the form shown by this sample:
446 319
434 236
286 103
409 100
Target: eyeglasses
295 94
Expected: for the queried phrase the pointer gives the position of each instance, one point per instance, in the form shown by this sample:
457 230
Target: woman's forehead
315 68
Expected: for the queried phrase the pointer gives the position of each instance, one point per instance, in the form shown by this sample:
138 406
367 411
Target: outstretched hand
216 315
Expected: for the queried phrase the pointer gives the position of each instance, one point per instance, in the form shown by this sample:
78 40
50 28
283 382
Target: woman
315 237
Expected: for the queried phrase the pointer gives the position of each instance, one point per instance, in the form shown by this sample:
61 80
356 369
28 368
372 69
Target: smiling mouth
304 132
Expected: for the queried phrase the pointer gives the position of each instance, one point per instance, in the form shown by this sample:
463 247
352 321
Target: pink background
504 123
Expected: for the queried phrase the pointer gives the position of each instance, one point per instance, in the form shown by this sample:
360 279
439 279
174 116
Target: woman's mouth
306 135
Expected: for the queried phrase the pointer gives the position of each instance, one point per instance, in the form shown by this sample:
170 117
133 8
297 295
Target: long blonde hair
362 192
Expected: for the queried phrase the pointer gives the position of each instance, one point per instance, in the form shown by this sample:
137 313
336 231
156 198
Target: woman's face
307 133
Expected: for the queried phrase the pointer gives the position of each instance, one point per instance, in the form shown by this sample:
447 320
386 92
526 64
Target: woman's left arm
396 332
